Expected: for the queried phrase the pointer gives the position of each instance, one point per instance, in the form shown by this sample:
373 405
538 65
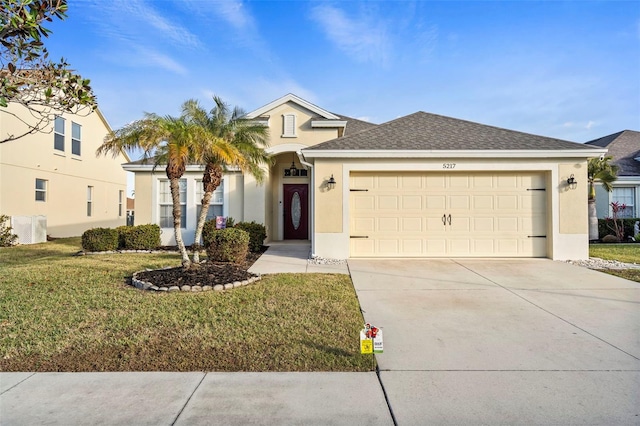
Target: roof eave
565 153
292 98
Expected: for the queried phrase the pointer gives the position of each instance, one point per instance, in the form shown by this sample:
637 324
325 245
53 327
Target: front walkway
293 256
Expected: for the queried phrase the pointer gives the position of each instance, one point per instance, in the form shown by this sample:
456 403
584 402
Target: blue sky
569 70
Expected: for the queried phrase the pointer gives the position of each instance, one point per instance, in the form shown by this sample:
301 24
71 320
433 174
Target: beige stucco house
55 176
419 186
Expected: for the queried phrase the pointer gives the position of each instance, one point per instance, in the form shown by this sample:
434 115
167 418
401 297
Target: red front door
296 211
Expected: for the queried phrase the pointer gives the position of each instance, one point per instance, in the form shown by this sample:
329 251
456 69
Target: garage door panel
435 202
412 247
388 224
412 224
411 202
482 202
462 202
364 225
388 202
492 214
364 202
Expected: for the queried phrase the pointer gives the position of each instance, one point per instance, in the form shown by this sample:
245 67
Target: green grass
60 312
628 253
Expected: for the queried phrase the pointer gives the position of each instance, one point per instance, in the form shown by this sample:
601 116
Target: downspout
312 203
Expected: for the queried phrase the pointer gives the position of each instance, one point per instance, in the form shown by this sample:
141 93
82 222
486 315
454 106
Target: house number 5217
448 165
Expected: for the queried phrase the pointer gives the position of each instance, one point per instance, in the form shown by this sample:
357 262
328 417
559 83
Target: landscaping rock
218 287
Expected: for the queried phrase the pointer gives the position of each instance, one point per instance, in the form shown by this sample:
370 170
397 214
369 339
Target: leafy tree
169 141
600 170
231 141
45 88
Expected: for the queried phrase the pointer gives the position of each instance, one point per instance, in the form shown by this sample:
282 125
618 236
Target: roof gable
422 131
297 100
624 147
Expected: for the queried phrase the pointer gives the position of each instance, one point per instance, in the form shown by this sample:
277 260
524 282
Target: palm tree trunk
174 184
593 220
210 180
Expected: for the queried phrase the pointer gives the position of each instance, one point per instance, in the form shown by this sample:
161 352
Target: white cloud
234 13
589 125
363 38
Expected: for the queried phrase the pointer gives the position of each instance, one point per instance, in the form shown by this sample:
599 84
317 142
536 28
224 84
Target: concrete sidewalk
293 256
192 399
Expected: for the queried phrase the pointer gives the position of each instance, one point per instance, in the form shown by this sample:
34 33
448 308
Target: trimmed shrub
122 230
6 237
605 226
257 234
100 239
227 245
140 237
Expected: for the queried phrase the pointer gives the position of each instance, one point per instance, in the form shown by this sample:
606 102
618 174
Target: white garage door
403 214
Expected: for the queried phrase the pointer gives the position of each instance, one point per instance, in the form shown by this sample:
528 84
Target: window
75 138
288 126
217 200
41 190
625 196
89 200
166 204
120 203
58 134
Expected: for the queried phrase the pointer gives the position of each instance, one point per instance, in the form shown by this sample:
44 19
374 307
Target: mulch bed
207 273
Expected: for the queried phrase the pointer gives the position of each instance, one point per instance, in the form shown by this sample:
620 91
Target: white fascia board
572 153
292 98
627 180
328 123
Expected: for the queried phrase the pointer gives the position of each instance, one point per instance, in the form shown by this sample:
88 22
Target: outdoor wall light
571 182
331 183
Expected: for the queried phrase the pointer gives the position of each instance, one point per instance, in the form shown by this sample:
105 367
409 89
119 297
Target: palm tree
230 141
599 170
169 141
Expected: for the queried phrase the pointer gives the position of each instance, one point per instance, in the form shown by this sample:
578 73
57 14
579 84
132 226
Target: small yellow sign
366 346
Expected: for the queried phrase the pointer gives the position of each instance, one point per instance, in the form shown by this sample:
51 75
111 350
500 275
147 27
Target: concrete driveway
479 341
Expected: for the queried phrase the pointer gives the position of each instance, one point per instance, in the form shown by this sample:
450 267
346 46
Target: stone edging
93 253
143 285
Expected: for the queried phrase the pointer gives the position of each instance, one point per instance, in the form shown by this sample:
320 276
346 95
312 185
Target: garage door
448 214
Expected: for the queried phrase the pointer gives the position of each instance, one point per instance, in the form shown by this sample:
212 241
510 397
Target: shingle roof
354 125
624 147
424 131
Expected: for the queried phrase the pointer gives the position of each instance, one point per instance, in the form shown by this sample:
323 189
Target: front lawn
59 312
627 253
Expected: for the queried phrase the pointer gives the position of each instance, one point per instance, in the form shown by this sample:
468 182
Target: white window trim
159 203
64 124
79 139
120 203
634 190
284 126
43 191
90 201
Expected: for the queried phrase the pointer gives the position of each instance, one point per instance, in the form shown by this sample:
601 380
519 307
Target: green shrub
610 239
257 234
605 226
122 231
231 222
6 237
227 245
139 237
100 239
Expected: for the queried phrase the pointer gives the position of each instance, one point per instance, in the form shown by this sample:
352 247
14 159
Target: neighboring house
624 147
56 175
418 186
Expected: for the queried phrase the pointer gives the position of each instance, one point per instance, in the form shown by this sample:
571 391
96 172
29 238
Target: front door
296 211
